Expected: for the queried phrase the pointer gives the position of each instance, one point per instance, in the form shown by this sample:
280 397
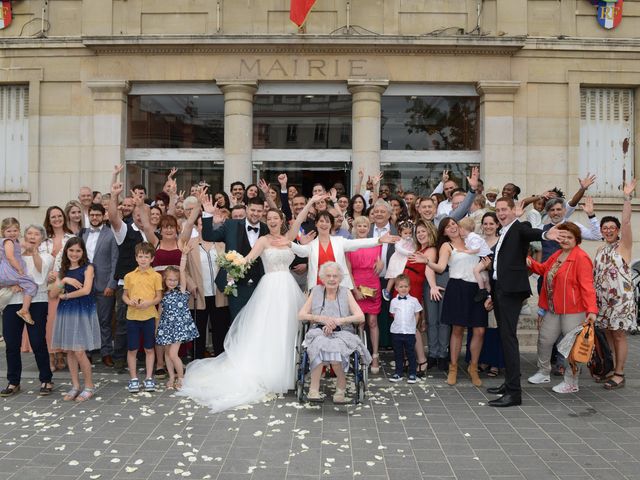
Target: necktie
402 298
252 229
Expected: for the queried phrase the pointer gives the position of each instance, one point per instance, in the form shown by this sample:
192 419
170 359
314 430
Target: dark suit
234 235
105 259
384 319
509 291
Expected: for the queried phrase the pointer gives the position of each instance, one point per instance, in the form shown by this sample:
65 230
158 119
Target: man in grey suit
102 251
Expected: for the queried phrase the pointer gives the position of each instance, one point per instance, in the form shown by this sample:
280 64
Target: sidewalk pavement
428 430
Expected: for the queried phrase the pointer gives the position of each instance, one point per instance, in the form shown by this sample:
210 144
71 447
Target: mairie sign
5 14
608 12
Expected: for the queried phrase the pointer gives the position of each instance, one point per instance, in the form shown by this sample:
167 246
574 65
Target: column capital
500 87
238 86
108 89
356 85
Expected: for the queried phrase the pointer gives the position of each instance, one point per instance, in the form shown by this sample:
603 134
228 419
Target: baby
476 245
403 248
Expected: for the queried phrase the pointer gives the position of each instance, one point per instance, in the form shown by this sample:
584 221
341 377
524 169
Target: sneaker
539 378
149 384
565 387
395 378
134 385
386 295
412 379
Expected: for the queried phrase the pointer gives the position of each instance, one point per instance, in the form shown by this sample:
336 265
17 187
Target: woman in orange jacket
568 298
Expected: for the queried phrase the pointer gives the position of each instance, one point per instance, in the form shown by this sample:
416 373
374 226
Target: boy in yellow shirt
142 292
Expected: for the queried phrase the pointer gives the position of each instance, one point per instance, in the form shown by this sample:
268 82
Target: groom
241 236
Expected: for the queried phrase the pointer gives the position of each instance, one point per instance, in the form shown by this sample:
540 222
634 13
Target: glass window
304 175
302 121
429 123
175 121
153 174
422 178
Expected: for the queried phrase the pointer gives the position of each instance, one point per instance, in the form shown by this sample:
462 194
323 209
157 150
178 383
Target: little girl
403 248
77 329
13 268
176 324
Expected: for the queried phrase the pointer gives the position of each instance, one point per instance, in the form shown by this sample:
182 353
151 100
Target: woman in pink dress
365 266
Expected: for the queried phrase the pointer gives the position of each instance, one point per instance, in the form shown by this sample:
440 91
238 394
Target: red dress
324 256
415 272
363 264
165 258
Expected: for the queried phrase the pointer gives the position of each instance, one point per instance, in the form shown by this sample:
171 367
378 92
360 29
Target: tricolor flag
5 13
299 10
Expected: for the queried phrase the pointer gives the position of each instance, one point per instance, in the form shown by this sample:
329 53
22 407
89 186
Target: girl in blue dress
176 324
77 329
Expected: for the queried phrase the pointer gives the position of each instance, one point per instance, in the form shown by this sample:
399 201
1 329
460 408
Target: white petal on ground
73 463
130 469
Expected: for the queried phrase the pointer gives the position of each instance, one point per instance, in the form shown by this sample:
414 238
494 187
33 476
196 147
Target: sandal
420 372
171 384
314 396
26 317
86 394
338 397
611 384
375 370
46 389
71 394
603 378
493 372
178 384
10 390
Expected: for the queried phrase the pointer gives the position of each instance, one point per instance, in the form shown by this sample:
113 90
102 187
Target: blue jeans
404 344
12 328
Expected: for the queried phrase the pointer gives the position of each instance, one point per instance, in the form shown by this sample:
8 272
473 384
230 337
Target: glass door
304 175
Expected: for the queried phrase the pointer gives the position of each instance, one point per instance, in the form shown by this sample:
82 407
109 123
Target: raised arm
626 236
357 188
147 228
284 196
264 186
464 207
302 216
186 249
113 212
187 226
585 183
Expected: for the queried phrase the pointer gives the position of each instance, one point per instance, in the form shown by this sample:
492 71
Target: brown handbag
582 347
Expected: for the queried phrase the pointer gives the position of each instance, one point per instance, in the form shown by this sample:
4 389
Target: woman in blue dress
77 329
176 323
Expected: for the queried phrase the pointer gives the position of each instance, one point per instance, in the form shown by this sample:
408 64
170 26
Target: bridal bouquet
236 266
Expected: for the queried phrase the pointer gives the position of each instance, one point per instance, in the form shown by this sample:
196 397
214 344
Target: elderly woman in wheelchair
331 339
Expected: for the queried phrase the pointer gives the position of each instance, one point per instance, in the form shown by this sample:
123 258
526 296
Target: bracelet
627 198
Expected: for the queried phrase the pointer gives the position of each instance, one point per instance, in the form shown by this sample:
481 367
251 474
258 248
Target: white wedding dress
259 356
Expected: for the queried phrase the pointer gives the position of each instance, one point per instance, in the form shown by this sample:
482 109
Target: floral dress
176 324
614 289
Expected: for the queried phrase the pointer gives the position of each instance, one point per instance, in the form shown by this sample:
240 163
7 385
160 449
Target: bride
259 349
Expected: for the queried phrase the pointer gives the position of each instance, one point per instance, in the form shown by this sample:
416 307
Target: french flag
5 14
299 10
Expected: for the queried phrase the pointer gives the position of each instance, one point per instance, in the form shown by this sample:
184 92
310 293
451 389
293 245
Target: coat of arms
5 13
609 13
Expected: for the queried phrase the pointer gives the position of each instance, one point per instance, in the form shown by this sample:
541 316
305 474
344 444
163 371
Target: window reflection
153 174
302 121
429 123
175 121
422 178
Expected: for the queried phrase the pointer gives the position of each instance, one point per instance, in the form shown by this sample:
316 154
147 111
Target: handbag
601 361
367 292
583 346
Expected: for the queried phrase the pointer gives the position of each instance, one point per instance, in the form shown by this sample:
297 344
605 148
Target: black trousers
218 319
507 308
12 328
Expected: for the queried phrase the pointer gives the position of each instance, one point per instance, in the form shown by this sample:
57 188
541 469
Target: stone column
366 96
497 131
238 129
109 130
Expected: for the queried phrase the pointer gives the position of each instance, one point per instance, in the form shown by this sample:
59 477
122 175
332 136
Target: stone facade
527 60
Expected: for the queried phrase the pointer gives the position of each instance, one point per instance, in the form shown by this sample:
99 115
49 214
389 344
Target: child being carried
404 247
476 245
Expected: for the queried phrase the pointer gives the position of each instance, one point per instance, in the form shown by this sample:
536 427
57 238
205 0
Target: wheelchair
356 367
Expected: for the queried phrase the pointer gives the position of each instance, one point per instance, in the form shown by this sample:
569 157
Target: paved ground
428 430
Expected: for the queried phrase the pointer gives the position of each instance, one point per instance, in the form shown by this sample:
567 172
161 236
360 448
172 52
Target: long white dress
259 349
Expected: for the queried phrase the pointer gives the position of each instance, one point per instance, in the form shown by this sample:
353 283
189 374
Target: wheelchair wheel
300 391
361 391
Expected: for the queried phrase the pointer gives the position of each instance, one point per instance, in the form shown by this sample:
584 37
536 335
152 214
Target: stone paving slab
423 431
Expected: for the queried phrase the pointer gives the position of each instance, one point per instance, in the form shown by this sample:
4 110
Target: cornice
305 45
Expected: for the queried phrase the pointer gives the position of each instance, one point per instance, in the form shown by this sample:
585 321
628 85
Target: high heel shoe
375 370
420 372
452 376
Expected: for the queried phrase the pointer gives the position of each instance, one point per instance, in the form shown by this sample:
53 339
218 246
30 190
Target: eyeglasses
605 229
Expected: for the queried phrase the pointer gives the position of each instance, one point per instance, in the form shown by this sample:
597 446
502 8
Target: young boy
142 292
476 245
405 311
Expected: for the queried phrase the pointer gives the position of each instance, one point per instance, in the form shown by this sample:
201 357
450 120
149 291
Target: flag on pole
5 14
299 10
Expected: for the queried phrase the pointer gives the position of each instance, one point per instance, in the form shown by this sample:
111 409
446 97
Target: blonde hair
9 222
468 223
361 220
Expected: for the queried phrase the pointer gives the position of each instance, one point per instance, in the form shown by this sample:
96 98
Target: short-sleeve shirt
476 242
142 285
404 314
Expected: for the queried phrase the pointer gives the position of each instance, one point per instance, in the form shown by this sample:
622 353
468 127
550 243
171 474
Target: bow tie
95 230
253 229
401 298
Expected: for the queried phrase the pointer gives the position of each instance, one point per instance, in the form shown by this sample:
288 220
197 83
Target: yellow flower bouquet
236 266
